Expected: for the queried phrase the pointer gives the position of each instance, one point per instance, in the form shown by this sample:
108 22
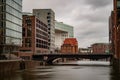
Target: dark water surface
67 72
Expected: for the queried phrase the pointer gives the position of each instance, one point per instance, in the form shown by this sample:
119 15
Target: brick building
114 29
100 48
70 45
35 37
48 17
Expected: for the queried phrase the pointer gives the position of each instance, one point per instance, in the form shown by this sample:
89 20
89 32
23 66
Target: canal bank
14 65
66 72
116 64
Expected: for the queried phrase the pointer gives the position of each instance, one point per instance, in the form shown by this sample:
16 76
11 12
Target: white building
62 31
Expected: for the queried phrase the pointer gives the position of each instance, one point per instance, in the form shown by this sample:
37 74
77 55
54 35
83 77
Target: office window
48 13
29 33
118 3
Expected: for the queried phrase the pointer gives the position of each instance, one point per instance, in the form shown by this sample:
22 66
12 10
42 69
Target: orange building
70 45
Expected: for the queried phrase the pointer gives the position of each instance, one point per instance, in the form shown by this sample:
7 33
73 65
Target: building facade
35 37
65 27
62 31
114 29
70 45
48 17
111 33
10 25
85 50
100 48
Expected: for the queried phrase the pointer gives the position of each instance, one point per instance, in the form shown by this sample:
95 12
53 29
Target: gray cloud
98 3
89 17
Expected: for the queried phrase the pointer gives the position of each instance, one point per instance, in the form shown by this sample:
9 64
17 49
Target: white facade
59 38
62 31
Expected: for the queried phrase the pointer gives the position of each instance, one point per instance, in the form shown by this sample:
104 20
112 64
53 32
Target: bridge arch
49 58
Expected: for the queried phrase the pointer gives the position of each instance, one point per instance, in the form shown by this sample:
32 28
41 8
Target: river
81 70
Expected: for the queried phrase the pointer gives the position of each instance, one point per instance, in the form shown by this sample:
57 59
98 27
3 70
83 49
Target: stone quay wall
14 65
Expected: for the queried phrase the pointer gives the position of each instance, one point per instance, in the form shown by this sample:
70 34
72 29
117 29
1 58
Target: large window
13 19
15 41
12 26
15 4
118 4
13 12
12 33
28 42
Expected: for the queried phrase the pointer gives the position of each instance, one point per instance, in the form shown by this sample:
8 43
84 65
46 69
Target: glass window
29 33
13 19
118 3
10 40
15 5
13 26
14 34
28 42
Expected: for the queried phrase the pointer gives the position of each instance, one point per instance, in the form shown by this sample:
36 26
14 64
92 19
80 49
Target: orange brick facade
70 45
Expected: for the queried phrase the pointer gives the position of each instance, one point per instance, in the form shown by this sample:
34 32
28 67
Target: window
118 3
29 33
49 13
3 0
49 25
48 17
48 21
23 32
28 42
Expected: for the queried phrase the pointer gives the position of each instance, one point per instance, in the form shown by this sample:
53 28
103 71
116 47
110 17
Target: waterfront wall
10 66
6 66
116 67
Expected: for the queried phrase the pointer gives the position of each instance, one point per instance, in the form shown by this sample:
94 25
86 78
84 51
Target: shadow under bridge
49 58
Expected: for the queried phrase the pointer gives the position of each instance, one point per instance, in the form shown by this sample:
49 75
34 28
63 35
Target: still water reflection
65 72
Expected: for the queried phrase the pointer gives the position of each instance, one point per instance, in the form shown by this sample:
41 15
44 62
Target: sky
88 17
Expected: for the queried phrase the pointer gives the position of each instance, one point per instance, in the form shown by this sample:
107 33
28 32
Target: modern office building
10 25
62 31
70 45
100 48
48 17
35 37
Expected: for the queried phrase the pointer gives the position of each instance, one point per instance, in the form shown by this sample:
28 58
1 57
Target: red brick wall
99 48
70 45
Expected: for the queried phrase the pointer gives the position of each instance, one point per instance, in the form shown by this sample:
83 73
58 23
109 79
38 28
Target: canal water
81 70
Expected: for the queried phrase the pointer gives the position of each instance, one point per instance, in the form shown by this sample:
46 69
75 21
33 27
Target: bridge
49 58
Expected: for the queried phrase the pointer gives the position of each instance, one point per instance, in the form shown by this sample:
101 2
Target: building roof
65 27
100 44
71 41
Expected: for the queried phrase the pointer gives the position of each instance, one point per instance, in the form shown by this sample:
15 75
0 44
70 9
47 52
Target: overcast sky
88 17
